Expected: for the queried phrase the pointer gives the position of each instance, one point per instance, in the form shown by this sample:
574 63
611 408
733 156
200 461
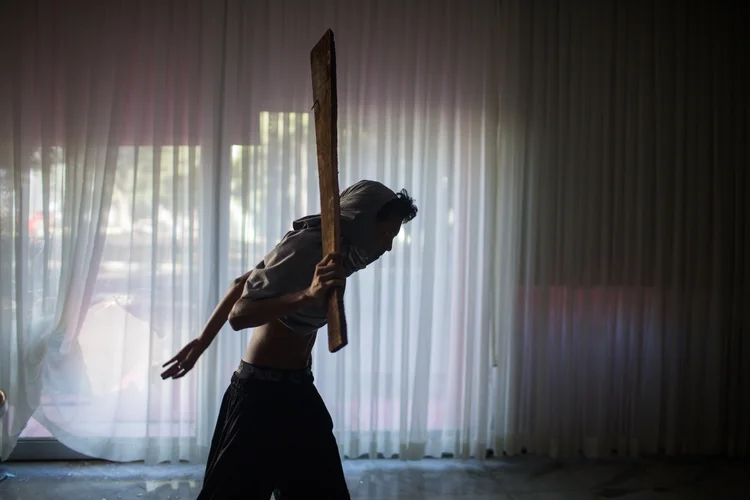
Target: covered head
370 214
364 208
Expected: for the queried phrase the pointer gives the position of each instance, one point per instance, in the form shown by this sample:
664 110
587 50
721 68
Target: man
273 430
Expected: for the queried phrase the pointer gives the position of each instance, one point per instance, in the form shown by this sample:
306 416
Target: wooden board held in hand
323 64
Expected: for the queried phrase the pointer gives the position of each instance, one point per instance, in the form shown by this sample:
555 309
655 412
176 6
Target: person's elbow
241 316
233 322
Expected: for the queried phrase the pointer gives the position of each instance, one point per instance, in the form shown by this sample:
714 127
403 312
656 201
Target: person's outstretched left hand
184 361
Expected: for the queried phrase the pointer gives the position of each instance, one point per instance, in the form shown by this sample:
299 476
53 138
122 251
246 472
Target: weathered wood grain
323 64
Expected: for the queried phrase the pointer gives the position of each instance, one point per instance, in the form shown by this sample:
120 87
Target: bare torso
273 345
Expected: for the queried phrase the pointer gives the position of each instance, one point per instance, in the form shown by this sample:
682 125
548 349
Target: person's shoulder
297 246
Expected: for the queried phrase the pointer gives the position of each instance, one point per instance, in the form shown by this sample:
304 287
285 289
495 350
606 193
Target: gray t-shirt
290 266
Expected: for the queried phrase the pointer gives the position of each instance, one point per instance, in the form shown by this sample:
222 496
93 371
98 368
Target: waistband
248 371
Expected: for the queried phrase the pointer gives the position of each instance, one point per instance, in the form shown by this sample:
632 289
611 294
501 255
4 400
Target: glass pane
106 380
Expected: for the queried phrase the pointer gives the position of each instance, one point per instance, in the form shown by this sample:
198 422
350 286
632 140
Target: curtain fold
187 134
625 135
58 167
576 280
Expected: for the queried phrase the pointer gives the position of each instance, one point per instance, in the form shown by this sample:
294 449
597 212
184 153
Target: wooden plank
323 64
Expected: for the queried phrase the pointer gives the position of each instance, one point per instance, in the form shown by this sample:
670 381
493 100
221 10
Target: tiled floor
524 478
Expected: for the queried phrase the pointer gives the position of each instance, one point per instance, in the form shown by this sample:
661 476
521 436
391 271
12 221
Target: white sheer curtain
576 281
153 151
59 126
624 147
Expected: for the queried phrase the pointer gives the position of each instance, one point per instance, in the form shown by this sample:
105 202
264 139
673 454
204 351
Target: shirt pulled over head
290 266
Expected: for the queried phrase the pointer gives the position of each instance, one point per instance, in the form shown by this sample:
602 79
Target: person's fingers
328 258
183 354
329 263
332 274
326 268
180 355
170 371
177 371
335 283
331 257
333 266
325 278
171 360
179 365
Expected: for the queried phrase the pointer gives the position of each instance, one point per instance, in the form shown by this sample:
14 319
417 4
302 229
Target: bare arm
221 313
184 361
244 313
248 313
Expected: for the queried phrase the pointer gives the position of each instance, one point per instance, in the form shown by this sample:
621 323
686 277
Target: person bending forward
274 431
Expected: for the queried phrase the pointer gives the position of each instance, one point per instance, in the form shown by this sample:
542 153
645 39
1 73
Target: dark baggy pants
273 433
